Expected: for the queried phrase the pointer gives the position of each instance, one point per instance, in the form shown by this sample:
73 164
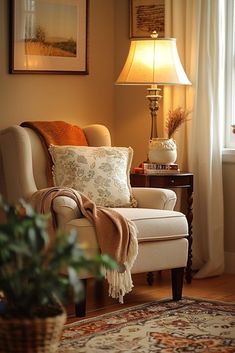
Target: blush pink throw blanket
116 236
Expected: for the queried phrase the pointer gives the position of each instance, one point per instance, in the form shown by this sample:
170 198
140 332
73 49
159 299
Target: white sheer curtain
199 28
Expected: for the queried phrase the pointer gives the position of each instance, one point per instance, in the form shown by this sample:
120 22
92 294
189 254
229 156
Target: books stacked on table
156 168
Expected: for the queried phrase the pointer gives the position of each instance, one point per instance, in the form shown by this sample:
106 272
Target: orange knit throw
56 133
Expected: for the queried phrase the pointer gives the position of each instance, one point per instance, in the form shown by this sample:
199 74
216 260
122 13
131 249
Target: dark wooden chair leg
99 292
150 278
80 308
177 279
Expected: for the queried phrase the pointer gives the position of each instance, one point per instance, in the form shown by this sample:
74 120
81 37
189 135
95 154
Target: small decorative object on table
157 168
139 170
164 150
37 274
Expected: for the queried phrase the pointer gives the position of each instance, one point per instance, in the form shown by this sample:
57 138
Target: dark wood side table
168 181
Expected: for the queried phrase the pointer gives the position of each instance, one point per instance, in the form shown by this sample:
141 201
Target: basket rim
61 315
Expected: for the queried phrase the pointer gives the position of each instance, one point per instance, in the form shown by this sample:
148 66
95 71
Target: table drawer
167 181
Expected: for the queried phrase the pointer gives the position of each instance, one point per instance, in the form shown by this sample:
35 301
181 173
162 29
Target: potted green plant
38 274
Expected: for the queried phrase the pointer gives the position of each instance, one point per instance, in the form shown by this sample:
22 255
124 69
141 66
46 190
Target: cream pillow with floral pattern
100 173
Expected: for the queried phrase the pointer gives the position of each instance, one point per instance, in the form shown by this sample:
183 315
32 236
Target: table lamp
154 62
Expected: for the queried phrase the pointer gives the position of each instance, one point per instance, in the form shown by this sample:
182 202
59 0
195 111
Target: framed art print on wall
48 36
146 16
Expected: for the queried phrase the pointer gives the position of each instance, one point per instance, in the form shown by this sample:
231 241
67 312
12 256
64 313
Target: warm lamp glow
153 62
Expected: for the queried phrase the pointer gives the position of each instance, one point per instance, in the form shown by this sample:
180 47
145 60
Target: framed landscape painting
48 36
146 16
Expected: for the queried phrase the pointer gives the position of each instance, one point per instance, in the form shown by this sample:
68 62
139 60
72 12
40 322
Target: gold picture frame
146 16
48 36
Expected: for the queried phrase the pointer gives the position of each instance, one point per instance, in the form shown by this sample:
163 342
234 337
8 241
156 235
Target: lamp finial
154 35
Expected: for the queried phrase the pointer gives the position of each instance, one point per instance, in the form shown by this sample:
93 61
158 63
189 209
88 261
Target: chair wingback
23 159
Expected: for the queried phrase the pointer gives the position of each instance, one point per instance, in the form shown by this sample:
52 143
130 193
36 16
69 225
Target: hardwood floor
216 288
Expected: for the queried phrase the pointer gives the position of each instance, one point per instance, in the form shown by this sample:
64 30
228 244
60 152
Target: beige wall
94 98
132 120
132 127
132 117
81 99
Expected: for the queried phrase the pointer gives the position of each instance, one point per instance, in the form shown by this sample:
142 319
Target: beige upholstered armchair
162 232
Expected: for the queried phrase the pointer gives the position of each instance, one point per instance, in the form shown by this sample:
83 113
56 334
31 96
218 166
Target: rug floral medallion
190 325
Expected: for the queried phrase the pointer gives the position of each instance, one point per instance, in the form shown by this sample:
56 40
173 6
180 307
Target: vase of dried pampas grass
164 150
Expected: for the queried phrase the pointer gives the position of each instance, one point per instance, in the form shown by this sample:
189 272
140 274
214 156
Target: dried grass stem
175 119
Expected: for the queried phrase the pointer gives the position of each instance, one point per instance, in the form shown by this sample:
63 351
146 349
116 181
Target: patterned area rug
190 325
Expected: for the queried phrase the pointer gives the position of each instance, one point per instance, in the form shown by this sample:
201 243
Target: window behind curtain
230 74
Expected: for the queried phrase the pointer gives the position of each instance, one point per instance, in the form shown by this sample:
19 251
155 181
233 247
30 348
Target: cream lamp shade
153 62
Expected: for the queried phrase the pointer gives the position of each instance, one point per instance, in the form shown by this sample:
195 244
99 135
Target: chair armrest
163 199
66 209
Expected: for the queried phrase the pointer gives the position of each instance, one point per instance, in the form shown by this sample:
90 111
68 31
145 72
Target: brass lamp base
154 98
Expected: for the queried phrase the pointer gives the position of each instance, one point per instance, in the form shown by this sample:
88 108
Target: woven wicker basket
31 336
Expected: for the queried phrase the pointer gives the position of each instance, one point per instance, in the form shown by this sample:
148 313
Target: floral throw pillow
100 173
